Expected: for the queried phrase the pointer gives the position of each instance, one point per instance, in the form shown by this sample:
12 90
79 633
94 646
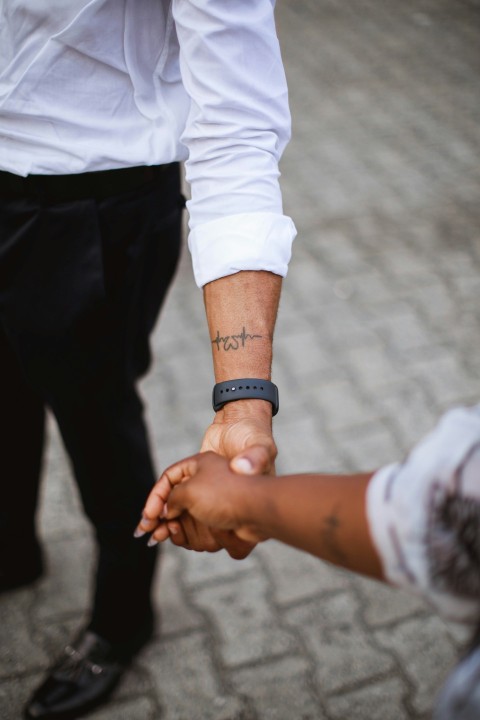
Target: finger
159 535
198 536
145 526
177 502
178 535
254 460
237 548
182 470
153 509
249 535
156 501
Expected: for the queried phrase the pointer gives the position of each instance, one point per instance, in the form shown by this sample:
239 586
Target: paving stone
186 682
371 288
368 447
305 357
173 612
200 373
436 303
279 689
309 285
343 326
243 619
380 316
383 604
136 681
341 405
407 333
338 250
66 587
296 576
373 366
20 652
409 411
461 635
458 263
446 380
344 653
466 288
205 568
140 708
377 701
426 652
409 268
303 446
15 693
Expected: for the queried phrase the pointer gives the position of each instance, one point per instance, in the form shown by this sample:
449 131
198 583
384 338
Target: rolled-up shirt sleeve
237 128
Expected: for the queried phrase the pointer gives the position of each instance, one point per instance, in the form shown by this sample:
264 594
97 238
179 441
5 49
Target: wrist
239 409
255 505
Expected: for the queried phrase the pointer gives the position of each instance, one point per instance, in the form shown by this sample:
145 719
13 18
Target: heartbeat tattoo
233 342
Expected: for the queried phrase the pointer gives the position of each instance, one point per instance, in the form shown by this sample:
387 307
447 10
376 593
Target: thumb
252 461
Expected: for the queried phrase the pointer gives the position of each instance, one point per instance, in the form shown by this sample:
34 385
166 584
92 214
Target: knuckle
212 547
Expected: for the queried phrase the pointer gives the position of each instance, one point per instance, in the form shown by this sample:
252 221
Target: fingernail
243 465
165 510
152 542
173 530
139 533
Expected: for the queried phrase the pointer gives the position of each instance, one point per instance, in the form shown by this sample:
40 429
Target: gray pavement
378 334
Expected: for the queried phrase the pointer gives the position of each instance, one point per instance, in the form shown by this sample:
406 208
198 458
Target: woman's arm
321 514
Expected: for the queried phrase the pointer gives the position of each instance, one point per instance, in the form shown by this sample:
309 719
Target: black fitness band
245 389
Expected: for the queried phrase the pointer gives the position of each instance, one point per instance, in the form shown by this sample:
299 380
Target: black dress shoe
83 678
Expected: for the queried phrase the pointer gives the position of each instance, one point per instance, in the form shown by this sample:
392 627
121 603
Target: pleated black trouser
82 279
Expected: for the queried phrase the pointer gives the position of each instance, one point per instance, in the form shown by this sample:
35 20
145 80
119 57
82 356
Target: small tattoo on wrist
329 532
233 342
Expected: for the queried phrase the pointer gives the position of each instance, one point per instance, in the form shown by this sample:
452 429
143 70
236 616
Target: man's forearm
241 312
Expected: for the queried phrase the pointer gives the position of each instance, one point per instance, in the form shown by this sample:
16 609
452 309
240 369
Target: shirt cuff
247 241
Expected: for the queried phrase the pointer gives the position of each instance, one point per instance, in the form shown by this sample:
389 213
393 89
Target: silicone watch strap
245 389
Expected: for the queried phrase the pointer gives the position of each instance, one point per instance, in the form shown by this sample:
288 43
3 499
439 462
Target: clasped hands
184 506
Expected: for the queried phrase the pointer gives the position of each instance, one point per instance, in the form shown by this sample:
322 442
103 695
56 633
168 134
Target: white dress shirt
102 84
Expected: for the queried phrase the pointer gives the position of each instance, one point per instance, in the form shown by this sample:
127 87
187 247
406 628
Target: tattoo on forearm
329 531
233 342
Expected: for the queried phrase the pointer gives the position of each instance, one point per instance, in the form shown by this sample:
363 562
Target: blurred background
378 334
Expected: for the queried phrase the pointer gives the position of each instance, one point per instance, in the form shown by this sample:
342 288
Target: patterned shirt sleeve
424 516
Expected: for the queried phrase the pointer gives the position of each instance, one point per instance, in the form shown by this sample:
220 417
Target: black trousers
81 285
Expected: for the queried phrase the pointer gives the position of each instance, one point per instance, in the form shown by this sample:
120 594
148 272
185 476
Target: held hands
242 432
205 487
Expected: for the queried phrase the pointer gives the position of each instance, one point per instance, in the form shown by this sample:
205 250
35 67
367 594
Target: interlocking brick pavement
378 334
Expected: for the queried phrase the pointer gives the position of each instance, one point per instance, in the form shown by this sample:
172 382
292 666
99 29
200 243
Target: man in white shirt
99 100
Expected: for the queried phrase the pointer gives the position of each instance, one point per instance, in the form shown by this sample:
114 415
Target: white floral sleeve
424 516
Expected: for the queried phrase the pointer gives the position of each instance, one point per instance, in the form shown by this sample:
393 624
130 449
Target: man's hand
242 431
238 427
